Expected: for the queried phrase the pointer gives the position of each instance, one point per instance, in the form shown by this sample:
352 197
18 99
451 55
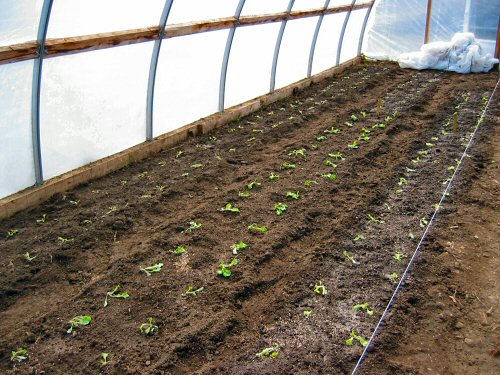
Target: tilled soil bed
365 186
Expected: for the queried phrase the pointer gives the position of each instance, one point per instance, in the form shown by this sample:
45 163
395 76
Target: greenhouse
249 187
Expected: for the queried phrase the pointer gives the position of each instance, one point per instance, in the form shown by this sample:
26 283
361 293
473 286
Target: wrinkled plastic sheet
463 54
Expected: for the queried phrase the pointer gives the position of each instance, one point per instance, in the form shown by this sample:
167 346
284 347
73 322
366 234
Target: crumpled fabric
462 55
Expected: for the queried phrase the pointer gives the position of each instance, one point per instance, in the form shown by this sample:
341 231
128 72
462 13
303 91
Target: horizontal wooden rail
65 46
33 196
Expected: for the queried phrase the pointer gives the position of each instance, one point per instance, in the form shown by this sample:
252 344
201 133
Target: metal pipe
363 29
315 39
428 22
342 33
35 91
225 59
278 46
153 67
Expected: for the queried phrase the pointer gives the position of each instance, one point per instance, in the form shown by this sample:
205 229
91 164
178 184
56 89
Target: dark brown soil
99 235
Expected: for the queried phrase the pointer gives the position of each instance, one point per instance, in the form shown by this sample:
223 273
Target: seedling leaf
19 355
148 328
115 294
238 246
229 207
271 352
319 288
280 208
81 320
152 269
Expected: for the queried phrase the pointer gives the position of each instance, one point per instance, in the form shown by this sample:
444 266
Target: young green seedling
399 256
308 183
238 247
374 220
402 181
363 113
307 313
179 154
321 138
255 228
411 236
319 288
330 176
300 152
354 336
148 328
337 155
364 307
225 268
28 257
329 163
379 126
19 355
354 118
43 219
142 175
359 237
81 320
193 225
244 194
191 291
280 208
229 208
253 184
349 257
271 352
353 145
115 294
12 232
409 170
332 130
152 269
423 222
196 166
104 358
288 166
293 195
364 137
393 277
64 240
274 176
75 202
179 250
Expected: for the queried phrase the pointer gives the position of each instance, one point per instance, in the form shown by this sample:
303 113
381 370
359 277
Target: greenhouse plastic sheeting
392 31
93 105
196 10
16 157
326 47
19 20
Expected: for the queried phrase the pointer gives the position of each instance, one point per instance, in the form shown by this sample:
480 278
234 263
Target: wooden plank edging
36 195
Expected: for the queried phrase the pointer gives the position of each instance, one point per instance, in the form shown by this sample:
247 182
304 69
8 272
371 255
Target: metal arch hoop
35 91
363 29
225 59
278 46
342 33
315 39
153 68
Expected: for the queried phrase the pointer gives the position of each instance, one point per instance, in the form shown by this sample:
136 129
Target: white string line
410 263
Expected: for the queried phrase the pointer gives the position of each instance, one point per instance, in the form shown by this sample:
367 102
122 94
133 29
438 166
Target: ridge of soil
99 235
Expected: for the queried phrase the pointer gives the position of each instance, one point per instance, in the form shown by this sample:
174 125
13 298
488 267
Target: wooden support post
428 22
497 47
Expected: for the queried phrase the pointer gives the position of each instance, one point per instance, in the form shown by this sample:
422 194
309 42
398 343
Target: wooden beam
428 22
36 195
497 46
65 46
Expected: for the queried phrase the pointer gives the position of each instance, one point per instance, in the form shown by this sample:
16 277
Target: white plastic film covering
249 69
16 152
326 47
187 79
93 105
197 10
309 4
254 7
294 52
351 36
19 20
83 17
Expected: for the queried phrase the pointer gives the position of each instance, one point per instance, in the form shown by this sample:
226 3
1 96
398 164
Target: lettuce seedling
364 137
19 355
363 113
193 225
225 270
308 183
393 277
359 237
43 219
115 294
379 126
300 152
354 118
255 228
353 145
402 181
288 166
104 358
336 156
274 176
81 320
148 328
76 202
271 352
238 246
329 163
354 336
12 232
374 220
321 138
280 208
348 124
64 240
319 288
332 130
331 176
364 307
409 170
152 269
253 184
229 207
423 222
196 166
411 236
243 194
399 256
179 154
293 195
28 257
349 257
179 250
192 292
307 313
